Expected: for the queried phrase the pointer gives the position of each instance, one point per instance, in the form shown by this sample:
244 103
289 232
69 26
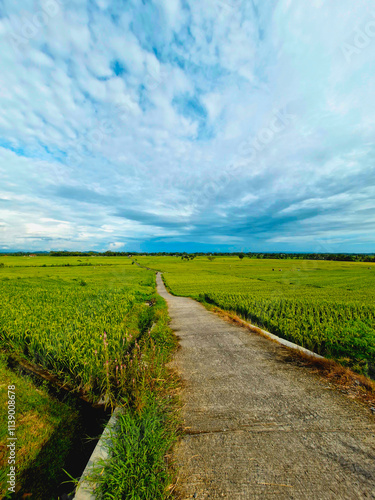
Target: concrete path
258 427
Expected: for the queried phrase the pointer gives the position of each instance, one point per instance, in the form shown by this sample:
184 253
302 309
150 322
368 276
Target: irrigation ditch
85 488
88 428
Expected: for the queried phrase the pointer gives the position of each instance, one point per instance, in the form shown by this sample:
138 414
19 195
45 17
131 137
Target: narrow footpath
258 427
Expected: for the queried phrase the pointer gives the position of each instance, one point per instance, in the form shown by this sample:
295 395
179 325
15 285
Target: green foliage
351 257
137 469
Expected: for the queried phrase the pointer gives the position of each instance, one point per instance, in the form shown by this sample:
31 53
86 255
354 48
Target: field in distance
325 306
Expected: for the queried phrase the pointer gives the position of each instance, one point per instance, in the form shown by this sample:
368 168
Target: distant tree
188 257
210 257
241 255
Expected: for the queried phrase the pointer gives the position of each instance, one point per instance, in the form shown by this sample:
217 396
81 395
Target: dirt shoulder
258 427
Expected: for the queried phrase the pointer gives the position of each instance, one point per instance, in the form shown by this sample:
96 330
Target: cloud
117 245
242 125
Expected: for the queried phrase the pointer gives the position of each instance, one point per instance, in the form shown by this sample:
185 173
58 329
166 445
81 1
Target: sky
187 125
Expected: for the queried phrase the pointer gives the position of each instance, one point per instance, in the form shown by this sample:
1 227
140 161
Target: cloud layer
222 125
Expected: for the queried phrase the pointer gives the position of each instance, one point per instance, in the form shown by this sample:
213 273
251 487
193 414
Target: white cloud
117 245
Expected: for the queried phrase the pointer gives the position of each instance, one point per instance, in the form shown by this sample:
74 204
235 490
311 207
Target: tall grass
137 467
147 427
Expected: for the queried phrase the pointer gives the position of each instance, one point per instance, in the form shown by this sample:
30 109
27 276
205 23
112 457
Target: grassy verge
139 467
43 425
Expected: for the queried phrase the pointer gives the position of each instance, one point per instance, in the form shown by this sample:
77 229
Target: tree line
346 257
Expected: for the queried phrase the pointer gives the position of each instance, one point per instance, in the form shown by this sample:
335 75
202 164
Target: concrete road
258 427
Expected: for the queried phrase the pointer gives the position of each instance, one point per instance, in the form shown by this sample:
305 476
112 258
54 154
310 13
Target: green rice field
325 306
82 323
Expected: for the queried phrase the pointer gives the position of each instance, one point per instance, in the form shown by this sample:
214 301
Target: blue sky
171 124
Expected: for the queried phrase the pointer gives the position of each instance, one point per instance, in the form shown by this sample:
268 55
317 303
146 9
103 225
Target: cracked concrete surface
258 427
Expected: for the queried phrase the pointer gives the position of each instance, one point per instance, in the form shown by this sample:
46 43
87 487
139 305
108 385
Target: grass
43 424
323 280
138 468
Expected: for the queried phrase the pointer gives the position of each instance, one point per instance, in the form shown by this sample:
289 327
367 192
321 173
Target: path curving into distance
258 427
